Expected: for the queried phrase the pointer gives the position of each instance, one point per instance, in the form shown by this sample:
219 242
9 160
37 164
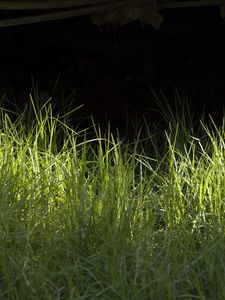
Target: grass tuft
99 218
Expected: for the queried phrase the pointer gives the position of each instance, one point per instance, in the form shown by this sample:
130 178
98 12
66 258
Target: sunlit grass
99 218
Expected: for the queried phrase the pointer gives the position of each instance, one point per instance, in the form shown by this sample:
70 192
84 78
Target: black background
111 70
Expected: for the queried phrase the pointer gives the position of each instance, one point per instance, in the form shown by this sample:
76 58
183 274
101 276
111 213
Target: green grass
99 218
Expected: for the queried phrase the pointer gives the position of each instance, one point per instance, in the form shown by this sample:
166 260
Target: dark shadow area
111 71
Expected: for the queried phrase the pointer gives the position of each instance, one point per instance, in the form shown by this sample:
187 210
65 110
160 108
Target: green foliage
102 219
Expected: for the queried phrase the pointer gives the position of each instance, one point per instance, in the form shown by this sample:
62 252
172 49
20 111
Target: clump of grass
101 219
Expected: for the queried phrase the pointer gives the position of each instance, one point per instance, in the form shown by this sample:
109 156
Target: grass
99 218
